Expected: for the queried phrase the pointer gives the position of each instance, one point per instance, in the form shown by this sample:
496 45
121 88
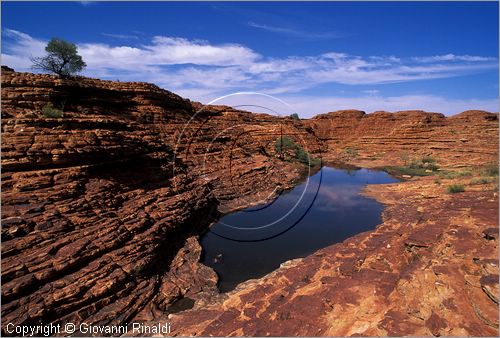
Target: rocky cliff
383 138
102 208
92 213
99 206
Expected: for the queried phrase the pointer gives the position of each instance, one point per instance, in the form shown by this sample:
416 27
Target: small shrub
424 163
49 111
301 155
455 174
351 152
402 170
480 180
446 174
455 188
423 167
295 116
286 143
491 170
314 162
463 173
431 166
428 159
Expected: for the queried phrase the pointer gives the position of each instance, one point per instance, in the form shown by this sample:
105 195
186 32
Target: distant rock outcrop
7 69
383 138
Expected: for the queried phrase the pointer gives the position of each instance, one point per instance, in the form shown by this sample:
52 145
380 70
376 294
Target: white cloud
169 50
371 91
386 59
203 71
453 57
165 51
161 51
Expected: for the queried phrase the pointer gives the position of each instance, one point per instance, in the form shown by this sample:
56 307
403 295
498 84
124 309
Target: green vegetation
480 180
295 116
425 162
62 59
402 170
351 152
301 155
49 111
423 167
455 188
286 145
427 159
455 174
490 170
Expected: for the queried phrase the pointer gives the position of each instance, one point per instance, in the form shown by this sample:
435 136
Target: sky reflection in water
338 212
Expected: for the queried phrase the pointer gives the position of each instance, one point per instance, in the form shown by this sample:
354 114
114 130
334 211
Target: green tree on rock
62 59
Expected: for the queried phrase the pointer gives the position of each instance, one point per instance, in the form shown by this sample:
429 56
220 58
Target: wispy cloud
121 36
453 57
19 52
297 33
202 71
338 197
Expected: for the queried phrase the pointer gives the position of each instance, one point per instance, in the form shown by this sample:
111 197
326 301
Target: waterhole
326 209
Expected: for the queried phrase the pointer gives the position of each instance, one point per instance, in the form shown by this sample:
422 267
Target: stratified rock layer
102 208
383 138
92 215
429 269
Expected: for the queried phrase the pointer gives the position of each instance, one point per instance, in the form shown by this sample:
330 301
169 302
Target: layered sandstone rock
234 150
383 138
92 218
102 208
430 269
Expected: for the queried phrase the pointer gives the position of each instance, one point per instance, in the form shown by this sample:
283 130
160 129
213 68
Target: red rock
99 223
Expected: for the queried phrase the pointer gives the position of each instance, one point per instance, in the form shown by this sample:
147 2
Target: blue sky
319 57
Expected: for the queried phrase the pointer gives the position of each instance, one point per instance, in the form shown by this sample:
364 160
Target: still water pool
325 209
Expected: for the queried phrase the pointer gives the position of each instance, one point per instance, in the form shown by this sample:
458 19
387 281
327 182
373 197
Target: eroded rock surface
427 270
102 208
383 138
